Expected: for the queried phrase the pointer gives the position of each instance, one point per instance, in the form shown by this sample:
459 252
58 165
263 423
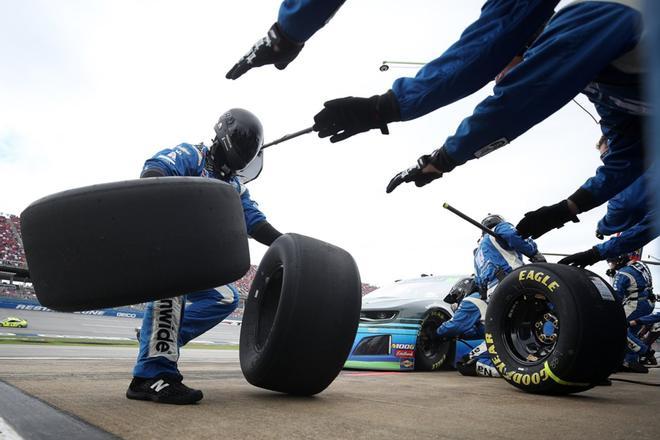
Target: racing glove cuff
265 233
387 107
583 199
441 160
284 46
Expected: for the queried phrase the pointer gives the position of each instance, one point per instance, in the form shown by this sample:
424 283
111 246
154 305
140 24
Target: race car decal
404 353
408 363
403 346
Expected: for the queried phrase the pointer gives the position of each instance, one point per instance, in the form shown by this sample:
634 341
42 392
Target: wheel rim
531 328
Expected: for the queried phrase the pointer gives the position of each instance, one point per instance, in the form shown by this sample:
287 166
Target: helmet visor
252 170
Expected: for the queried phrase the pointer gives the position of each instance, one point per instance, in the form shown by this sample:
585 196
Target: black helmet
463 288
238 140
492 220
618 262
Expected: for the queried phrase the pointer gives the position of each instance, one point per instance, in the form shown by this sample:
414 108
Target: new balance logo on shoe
165 390
159 385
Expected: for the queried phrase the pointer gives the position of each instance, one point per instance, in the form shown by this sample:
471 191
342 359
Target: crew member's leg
636 348
156 376
477 363
205 310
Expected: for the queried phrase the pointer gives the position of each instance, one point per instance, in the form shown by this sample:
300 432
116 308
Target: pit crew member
634 289
574 53
170 323
493 260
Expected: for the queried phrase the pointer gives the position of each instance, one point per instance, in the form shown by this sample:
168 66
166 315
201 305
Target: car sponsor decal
403 346
407 363
165 323
404 353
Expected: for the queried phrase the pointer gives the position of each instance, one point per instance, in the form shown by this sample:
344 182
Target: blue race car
398 323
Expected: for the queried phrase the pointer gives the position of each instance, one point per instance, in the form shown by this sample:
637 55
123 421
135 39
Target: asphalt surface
365 405
74 324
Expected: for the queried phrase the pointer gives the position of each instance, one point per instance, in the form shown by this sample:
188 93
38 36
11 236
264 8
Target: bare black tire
432 354
139 240
555 329
301 316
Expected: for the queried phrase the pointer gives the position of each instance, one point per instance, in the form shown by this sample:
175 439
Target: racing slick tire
430 353
555 329
301 316
139 240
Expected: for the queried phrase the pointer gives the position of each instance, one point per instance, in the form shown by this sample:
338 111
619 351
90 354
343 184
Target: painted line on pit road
7 432
31 418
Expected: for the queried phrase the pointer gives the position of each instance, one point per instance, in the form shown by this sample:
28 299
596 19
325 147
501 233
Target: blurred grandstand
12 260
11 245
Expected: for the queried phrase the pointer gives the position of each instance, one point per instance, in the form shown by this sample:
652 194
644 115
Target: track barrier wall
7 303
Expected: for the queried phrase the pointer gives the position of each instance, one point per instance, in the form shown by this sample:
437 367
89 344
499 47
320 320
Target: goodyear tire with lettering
555 329
301 316
139 240
430 353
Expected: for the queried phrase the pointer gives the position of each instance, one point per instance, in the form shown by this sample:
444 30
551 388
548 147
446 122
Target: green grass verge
32 340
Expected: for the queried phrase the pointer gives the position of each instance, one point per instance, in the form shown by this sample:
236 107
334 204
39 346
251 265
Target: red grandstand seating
11 246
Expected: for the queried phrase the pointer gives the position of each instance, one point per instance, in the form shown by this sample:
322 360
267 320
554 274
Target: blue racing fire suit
630 214
651 319
584 48
626 209
633 286
171 323
631 239
494 258
587 47
502 30
468 323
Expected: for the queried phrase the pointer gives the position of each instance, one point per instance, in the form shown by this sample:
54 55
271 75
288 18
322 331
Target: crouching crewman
171 323
493 260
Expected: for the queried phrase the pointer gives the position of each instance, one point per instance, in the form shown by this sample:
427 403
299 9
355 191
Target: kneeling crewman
493 260
634 289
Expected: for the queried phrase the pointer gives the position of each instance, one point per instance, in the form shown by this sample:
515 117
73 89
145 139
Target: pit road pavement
364 405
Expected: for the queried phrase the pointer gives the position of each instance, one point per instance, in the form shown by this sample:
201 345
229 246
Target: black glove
599 235
344 117
439 159
582 259
275 48
536 223
538 258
